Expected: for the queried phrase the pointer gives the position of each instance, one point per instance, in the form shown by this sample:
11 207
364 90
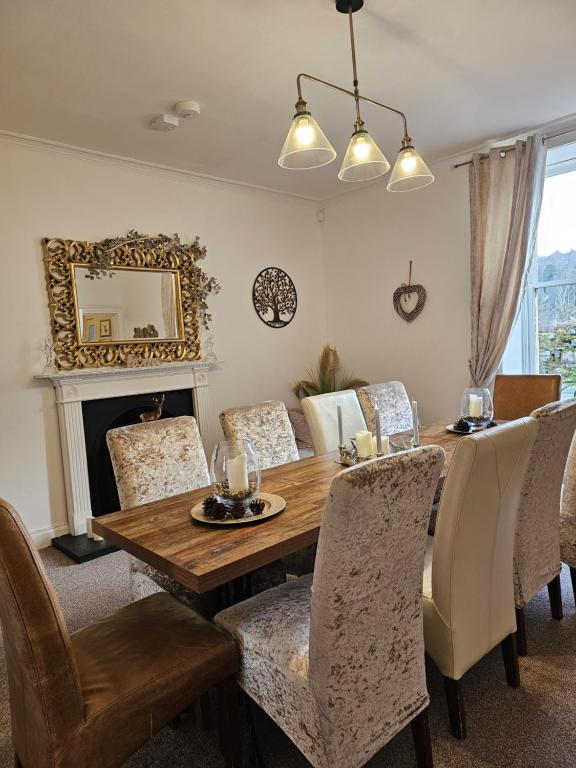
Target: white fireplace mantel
75 387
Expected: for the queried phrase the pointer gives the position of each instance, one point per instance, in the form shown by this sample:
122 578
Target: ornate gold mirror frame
138 252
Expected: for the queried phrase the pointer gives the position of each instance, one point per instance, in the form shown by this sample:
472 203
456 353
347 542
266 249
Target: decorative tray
273 505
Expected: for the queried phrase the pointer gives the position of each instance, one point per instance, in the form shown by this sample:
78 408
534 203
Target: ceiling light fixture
306 145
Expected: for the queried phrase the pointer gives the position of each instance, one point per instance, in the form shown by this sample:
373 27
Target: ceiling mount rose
306 146
349 5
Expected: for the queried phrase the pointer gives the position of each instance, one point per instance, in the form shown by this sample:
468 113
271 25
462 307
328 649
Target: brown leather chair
516 396
92 698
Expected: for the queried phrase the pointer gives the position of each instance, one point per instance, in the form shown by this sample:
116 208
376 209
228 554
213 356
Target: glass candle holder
235 475
476 407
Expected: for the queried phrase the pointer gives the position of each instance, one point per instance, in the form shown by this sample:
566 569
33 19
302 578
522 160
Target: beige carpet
533 727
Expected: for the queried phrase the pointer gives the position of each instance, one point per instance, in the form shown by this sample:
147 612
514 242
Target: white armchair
322 417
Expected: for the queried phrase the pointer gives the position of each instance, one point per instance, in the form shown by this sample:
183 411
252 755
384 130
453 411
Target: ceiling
93 74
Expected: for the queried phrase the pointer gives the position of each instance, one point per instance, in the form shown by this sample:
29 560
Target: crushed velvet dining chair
94 697
517 395
268 429
152 461
568 516
393 404
537 561
321 413
267 426
336 658
468 575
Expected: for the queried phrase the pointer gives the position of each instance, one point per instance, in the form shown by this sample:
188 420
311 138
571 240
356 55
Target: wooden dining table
203 557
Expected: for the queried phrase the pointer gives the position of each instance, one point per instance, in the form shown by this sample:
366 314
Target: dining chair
537 562
393 404
568 516
468 586
92 698
151 461
516 396
322 416
336 658
267 426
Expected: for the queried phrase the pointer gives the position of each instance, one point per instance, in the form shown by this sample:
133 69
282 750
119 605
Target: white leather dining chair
322 417
568 516
337 659
468 585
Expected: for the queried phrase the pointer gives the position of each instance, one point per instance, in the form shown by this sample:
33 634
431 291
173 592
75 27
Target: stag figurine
157 412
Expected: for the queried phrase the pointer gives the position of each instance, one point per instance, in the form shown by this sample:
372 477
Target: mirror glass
129 305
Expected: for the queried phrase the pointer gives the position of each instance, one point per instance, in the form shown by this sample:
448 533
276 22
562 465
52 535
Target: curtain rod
511 149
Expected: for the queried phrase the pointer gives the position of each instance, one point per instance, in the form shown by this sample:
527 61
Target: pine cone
257 506
213 509
462 425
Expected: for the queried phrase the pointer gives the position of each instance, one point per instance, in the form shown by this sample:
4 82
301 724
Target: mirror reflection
130 304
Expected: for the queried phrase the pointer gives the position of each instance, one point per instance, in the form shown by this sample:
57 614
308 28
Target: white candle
378 431
364 444
385 445
237 471
340 427
475 403
415 425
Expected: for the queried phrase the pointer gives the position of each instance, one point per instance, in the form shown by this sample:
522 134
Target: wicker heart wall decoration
404 293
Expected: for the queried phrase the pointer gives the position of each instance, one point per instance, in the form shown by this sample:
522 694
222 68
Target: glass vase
476 407
235 475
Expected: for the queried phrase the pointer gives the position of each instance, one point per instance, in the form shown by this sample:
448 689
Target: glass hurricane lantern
235 474
476 407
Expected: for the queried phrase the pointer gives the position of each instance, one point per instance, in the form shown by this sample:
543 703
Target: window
544 339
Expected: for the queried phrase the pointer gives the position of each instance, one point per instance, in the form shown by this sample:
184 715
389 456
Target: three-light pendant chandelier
306 145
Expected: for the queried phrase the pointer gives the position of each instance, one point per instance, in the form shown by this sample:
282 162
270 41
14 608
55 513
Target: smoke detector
165 122
187 109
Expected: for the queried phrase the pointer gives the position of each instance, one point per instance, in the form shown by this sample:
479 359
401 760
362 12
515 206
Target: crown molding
93 155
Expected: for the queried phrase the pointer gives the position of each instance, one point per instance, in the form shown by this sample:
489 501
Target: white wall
370 235
50 192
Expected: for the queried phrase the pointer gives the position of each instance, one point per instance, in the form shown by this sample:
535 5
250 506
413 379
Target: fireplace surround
76 388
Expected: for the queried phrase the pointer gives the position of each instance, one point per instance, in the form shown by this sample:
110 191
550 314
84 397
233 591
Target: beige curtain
505 199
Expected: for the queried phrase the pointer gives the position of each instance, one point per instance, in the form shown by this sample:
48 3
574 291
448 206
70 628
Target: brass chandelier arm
354 96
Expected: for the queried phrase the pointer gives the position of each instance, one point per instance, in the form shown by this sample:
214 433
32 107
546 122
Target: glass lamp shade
363 159
234 473
476 407
410 172
306 146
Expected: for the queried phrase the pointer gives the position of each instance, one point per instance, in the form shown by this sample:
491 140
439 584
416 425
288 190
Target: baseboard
43 537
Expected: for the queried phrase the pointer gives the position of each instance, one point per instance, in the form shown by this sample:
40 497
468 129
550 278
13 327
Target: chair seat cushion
149 651
274 624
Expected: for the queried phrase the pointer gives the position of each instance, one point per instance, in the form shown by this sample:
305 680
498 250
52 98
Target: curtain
168 305
505 200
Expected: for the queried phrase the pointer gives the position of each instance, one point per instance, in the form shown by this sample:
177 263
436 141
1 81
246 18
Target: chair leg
573 577
555 595
254 757
422 742
510 654
521 632
206 712
17 763
456 711
230 732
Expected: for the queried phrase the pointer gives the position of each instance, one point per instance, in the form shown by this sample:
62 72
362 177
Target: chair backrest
366 639
568 510
393 403
322 417
267 427
45 696
537 541
516 396
472 583
157 459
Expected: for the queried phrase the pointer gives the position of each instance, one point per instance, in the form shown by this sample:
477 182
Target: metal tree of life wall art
274 297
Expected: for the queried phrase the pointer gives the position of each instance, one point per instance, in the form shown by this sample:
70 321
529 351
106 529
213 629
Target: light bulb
408 161
304 133
361 148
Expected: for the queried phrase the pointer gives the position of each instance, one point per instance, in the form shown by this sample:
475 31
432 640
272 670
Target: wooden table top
202 557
